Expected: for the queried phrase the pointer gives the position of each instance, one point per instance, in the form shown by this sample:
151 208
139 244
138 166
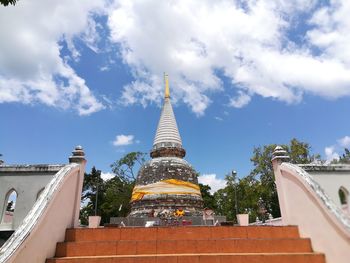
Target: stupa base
186 205
183 221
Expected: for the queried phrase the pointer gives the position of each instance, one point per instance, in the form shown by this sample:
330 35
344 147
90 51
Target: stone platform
190 220
263 244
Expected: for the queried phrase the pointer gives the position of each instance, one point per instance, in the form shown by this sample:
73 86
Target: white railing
269 222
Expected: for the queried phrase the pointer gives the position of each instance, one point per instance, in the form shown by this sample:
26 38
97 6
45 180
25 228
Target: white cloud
344 142
105 68
249 43
240 101
107 176
122 140
332 26
32 69
331 154
211 180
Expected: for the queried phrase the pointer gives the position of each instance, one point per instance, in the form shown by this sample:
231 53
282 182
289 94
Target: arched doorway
344 198
9 207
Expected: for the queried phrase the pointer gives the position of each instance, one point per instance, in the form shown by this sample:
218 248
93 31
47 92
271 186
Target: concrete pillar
78 156
279 156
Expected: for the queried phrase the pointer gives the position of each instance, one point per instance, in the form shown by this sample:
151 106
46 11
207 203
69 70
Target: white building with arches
45 202
335 181
21 184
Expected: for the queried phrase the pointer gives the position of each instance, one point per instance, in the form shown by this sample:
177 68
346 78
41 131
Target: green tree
208 198
344 158
9 206
7 2
114 194
247 190
116 198
299 153
91 181
224 203
125 167
112 199
259 183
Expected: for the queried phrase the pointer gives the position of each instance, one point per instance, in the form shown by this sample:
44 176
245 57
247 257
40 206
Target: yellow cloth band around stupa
170 186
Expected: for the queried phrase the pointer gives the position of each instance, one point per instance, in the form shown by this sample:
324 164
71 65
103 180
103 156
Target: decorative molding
168 152
30 168
325 168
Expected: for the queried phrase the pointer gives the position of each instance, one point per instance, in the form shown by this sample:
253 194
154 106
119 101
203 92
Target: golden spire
167 90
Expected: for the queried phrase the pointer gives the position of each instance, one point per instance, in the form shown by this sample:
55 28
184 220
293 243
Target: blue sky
241 75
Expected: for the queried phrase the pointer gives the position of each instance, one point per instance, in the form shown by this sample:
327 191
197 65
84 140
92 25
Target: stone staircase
252 244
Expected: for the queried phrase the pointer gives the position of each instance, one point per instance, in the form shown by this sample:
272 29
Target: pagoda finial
167 90
167 134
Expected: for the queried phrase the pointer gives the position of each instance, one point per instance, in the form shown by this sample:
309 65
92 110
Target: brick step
180 233
200 258
98 248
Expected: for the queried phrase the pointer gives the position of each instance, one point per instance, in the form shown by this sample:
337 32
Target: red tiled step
252 244
70 249
179 233
200 258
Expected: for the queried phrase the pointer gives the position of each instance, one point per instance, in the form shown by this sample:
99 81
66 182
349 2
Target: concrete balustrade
303 202
55 210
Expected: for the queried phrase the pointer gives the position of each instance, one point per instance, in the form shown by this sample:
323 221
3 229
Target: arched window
343 195
39 193
10 205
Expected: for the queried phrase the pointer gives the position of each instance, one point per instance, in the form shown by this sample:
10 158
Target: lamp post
97 184
262 209
234 175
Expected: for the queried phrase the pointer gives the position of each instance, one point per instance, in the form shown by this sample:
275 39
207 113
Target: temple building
313 227
167 181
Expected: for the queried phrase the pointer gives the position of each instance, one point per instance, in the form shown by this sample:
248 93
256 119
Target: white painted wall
56 209
27 181
331 178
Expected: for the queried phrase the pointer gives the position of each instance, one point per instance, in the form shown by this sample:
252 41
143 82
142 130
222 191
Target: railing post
78 156
279 156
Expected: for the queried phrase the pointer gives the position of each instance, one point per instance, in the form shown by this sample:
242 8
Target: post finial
167 90
78 155
280 154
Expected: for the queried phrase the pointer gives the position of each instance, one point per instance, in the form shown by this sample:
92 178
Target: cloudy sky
242 74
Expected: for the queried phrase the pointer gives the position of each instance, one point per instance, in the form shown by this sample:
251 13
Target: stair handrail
337 216
34 215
